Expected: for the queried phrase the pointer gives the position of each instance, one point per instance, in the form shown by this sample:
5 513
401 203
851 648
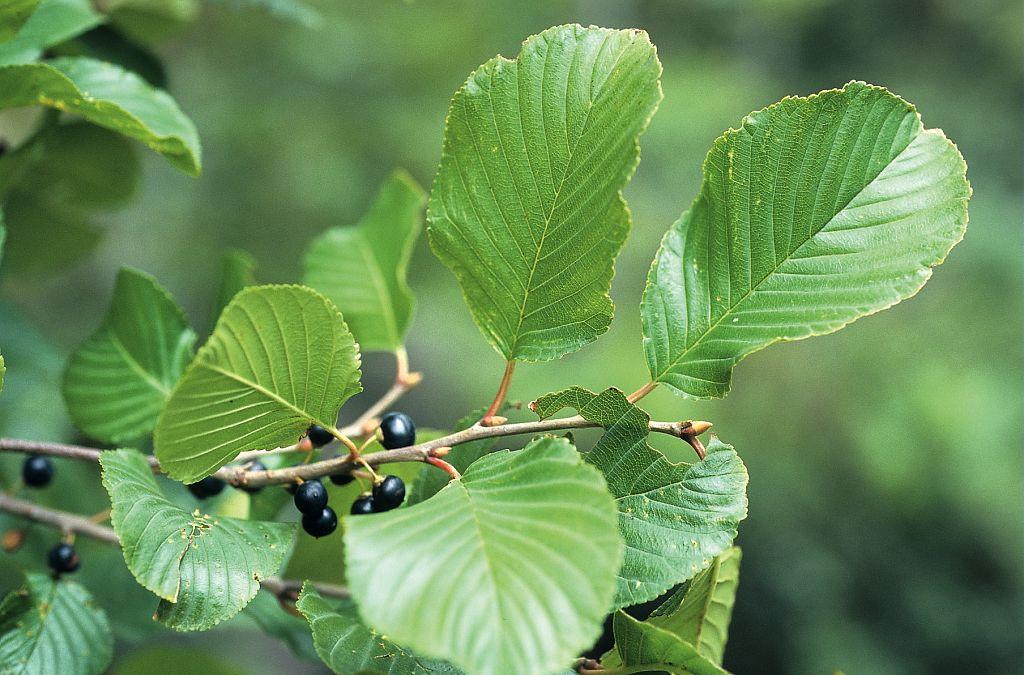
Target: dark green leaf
643 644
237 270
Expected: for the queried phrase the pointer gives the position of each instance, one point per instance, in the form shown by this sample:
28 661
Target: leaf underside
53 627
638 643
347 646
204 568
362 268
815 212
280 359
118 380
526 208
674 518
525 539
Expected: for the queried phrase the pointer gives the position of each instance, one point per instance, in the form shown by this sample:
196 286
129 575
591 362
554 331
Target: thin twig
68 522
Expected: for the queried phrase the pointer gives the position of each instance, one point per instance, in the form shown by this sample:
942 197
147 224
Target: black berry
342 478
321 523
62 558
397 431
311 497
207 487
362 506
255 466
37 471
388 494
319 436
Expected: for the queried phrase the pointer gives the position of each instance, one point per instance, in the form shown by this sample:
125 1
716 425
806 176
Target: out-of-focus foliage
884 533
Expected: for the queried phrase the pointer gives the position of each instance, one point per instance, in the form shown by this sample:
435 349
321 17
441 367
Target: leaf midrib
255 386
383 294
754 287
148 377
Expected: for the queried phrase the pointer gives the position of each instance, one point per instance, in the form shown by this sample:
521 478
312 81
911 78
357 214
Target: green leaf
362 268
430 480
700 612
815 212
288 10
509 570
674 518
266 612
110 97
527 208
205 569
13 15
347 646
237 270
118 380
280 359
53 627
53 22
643 644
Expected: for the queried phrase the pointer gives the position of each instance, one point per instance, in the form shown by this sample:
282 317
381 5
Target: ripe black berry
311 497
37 471
362 506
321 523
62 558
388 494
342 478
319 436
397 431
207 487
255 466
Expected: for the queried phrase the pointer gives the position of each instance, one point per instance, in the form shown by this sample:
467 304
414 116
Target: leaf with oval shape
204 568
280 359
815 212
524 539
527 209
118 380
644 647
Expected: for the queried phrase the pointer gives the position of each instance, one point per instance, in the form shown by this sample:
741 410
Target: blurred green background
885 531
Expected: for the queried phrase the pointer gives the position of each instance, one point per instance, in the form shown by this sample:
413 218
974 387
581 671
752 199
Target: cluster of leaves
814 212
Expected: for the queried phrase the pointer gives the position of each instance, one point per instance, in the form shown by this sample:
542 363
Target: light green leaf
525 539
527 208
700 612
53 22
205 569
643 644
362 268
815 212
106 95
674 518
118 380
280 359
53 627
347 646
237 270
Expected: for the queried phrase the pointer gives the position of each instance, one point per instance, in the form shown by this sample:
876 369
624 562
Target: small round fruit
255 466
320 524
319 436
37 471
397 431
207 487
388 494
362 506
342 478
62 558
311 497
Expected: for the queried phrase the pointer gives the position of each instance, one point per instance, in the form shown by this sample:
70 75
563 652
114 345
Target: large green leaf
280 359
674 518
527 208
53 627
815 212
205 569
700 612
106 95
362 268
347 646
118 380
509 570
53 21
638 643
